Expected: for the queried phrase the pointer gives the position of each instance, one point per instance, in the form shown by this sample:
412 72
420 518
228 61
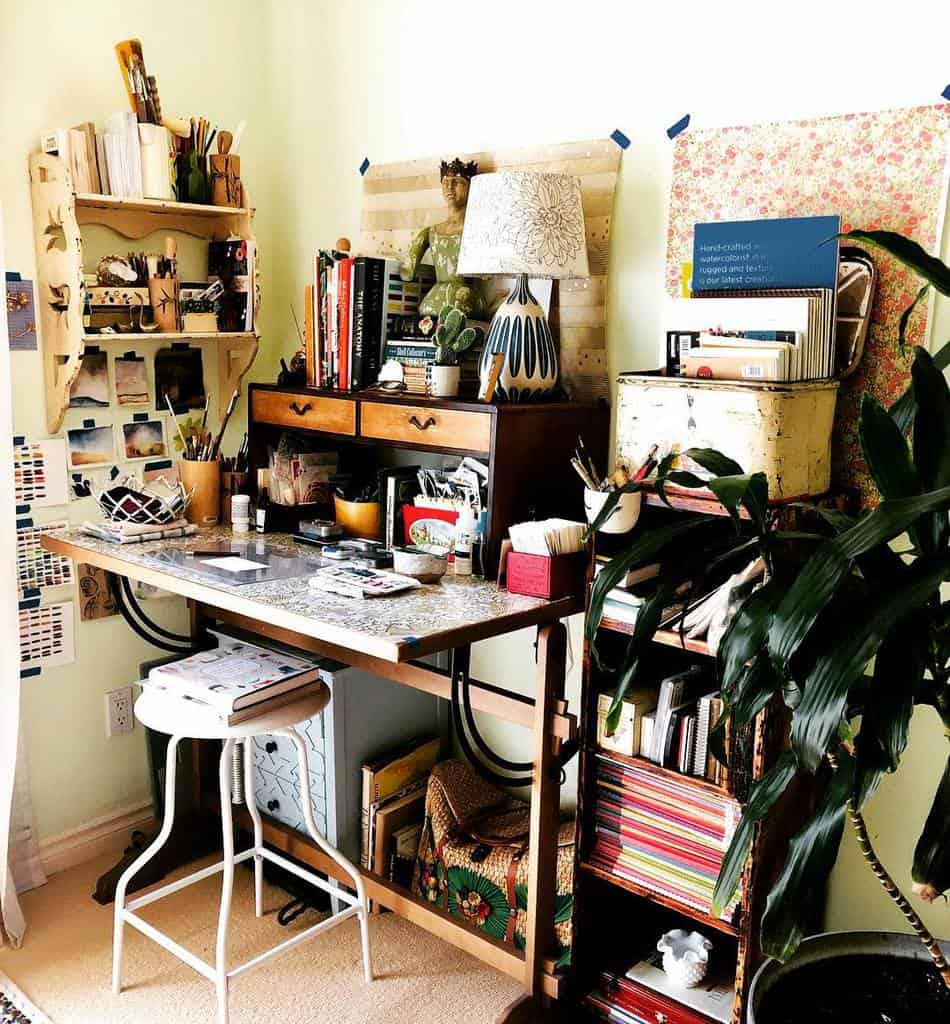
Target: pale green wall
326 84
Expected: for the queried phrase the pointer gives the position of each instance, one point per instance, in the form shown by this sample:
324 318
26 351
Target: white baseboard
108 834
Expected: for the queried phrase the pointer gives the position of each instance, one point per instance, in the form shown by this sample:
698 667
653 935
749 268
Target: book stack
663 834
624 600
237 681
355 303
393 800
105 163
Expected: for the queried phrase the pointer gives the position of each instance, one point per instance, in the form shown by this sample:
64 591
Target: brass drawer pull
414 420
301 410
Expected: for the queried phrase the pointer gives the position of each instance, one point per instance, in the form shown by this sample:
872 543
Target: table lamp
527 224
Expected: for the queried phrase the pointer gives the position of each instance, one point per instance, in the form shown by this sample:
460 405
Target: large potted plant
849 631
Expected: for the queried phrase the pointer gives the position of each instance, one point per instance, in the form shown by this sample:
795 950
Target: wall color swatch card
40 471
37 567
46 634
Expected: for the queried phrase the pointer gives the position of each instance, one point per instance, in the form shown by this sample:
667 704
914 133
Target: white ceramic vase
444 380
520 330
685 957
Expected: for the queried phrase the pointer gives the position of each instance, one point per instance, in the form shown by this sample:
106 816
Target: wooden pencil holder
203 480
225 172
163 295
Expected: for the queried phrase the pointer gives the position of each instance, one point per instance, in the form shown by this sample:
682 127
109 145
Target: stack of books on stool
237 680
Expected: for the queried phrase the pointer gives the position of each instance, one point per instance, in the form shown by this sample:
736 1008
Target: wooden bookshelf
59 214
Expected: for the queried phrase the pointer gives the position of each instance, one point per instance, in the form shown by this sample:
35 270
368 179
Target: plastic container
240 513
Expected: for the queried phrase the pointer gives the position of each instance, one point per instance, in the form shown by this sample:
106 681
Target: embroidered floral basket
473 857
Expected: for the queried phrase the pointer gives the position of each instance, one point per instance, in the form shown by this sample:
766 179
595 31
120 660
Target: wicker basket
125 501
474 859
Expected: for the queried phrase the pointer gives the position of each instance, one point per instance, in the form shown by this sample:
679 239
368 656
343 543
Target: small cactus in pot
452 339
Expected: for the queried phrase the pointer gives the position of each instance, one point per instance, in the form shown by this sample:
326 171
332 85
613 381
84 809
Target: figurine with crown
443 240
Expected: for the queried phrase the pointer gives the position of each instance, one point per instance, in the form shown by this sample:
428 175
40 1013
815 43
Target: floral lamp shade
524 222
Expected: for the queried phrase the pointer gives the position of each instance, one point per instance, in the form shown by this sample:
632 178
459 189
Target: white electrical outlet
119 717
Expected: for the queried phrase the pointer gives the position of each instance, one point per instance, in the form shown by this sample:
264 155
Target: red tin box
547 576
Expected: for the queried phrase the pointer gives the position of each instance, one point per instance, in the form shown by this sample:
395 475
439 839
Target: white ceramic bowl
685 957
624 516
425 566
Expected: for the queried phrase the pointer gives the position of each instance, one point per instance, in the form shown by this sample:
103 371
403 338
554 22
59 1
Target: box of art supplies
782 430
549 576
627 737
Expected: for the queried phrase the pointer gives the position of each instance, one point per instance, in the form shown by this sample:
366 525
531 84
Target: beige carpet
65 964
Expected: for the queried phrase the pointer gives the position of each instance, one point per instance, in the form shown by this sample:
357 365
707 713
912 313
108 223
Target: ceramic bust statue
444 240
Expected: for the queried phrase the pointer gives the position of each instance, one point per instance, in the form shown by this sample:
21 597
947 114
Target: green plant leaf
762 798
798 893
905 408
714 462
748 490
839 666
886 451
913 255
932 853
824 572
647 548
906 315
888 706
662 472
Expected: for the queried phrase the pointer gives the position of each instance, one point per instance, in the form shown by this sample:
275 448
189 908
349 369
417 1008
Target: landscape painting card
91 386
21 318
91 446
876 171
46 634
144 439
179 374
131 380
39 472
37 567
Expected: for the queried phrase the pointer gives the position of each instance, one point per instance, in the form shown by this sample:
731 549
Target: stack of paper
547 537
123 155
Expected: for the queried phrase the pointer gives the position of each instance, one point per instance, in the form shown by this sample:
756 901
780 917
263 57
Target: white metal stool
182 718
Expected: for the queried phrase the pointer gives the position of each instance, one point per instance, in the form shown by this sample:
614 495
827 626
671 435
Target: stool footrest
308 876
170 944
181 883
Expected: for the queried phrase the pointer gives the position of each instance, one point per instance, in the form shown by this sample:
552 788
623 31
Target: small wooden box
546 576
782 430
200 323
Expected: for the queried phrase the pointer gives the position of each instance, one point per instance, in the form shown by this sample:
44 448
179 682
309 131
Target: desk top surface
435 617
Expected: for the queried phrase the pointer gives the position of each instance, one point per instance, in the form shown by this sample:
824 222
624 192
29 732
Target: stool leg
227 881
168 820
258 830
328 849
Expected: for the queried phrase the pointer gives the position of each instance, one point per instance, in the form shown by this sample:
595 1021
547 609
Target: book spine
344 336
375 338
396 350
358 325
368 779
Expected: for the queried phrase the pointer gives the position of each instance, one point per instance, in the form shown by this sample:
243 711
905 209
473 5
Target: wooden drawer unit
644 1004
428 425
306 412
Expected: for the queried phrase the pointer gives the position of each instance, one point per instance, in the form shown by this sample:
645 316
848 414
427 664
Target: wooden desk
384 635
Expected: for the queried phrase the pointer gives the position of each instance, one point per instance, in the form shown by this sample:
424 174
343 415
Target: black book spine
358 356
373 329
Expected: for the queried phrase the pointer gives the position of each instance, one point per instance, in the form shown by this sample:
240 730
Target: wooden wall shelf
58 215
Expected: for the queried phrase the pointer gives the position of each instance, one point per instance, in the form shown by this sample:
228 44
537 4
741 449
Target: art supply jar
203 481
232 484
163 296
241 513
156 155
225 171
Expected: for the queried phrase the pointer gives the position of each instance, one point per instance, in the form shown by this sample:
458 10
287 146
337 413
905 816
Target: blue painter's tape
364 166
22 524
681 125
21 510
946 93
618 136
140 417
88 423
28 673
114 472
33 602
30 592
19 439
151 467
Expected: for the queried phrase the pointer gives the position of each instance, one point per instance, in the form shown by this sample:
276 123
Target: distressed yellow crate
783 430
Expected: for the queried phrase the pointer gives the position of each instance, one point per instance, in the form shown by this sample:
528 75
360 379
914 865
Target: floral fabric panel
885 170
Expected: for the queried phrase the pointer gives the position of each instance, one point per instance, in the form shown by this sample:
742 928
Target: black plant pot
851 978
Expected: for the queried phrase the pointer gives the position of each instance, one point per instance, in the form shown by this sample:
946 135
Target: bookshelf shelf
93 339
667 637
59 214
708 920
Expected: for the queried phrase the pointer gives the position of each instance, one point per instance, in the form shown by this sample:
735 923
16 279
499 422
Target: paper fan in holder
126 501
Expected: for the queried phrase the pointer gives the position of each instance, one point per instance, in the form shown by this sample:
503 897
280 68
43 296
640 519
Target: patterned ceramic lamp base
520 330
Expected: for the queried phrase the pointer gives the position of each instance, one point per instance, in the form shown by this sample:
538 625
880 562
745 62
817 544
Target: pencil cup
625 513
156 169
163 295
225 171
203 480
231 484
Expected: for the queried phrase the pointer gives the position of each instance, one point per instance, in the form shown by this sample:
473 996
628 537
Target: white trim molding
109 834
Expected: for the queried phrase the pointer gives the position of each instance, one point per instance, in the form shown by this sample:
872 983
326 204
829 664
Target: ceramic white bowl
685 957
624 516
425 566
